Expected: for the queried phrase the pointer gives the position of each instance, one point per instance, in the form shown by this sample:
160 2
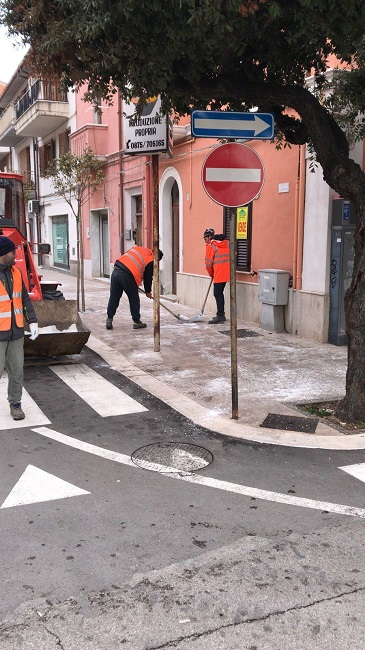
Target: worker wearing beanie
218 266
15 305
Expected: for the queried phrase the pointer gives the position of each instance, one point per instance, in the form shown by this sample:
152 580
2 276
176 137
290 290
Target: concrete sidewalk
192 370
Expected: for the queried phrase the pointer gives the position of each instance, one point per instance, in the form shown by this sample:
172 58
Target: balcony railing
8 137
39 90
28 179
90 135
29 186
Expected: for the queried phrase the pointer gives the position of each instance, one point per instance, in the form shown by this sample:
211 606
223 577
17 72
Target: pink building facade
120 214
297 224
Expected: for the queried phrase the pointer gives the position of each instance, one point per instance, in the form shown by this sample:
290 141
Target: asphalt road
97 552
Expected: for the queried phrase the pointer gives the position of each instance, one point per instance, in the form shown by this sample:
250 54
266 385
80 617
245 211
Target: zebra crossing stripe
105 398
33 414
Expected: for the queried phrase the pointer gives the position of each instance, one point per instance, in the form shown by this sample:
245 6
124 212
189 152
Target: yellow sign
242 218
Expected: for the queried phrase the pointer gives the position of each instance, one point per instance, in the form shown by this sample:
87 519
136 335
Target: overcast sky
10 55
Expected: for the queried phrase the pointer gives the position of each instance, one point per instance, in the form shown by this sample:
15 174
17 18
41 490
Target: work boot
109 324
139 325
219 318
16 411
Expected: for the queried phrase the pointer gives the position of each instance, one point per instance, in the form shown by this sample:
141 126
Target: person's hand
34 331
149 295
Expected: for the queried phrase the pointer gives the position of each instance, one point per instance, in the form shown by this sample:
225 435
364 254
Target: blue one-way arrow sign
224 124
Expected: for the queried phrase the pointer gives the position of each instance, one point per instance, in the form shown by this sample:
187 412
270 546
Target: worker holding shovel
130 270
218 266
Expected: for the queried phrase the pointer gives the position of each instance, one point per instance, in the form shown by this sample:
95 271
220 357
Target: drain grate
172 457
241 334
290 423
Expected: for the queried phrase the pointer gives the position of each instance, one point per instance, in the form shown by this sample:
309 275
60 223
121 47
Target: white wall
317 228
316 243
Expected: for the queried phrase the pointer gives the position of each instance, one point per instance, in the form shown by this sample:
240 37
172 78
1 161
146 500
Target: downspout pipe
299 221
121 177
36 182
301 207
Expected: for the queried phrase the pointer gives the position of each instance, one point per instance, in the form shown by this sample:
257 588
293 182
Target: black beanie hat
6 245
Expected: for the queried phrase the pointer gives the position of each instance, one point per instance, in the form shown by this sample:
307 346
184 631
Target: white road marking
206 480
33 414
105 398
36 485
358 470
233 175
84 446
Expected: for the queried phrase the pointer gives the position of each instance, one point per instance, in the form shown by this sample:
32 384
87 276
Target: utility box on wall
33 206
274 294
273 286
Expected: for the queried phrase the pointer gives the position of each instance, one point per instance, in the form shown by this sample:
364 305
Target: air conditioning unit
33 206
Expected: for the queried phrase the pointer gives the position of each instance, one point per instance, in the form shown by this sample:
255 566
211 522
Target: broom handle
162 305
206 297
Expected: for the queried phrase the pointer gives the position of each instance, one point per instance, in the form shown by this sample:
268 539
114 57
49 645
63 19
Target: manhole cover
172 457
241 334
290 423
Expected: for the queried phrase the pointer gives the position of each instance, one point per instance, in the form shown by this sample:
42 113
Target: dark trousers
123 281
218 294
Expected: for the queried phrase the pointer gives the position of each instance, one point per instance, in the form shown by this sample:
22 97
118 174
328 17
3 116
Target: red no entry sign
233 174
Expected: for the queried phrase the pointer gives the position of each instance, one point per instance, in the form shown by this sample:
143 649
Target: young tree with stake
76 178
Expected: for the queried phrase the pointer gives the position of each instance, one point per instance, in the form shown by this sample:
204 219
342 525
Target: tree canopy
238 54
199 53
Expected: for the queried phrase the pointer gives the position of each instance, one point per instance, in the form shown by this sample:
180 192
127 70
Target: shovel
198 316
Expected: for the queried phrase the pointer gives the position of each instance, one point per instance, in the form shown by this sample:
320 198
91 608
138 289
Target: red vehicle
63 331
12 224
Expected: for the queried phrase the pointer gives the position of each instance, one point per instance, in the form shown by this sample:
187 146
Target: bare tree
76 179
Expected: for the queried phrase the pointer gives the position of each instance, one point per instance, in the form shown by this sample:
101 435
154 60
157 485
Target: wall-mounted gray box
343 213
273 286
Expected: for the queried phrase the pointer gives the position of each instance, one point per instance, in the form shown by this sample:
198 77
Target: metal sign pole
233 310
156 241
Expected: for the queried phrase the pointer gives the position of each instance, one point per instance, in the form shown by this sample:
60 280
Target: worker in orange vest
15 309
218 266
130 270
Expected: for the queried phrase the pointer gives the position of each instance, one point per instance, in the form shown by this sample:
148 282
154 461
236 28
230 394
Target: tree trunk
78 224
346 177
82 275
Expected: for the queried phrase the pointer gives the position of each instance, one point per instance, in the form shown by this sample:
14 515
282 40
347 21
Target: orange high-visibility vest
16 301
217 260
136 260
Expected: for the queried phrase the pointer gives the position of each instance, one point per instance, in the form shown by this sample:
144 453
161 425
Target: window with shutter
244 232
24 166
98 113
52 91
48 155
42 168
64 142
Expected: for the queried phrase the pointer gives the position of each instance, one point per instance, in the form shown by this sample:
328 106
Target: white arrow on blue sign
226 124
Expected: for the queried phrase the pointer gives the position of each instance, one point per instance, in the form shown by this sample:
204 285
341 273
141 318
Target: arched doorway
170 229
175 243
